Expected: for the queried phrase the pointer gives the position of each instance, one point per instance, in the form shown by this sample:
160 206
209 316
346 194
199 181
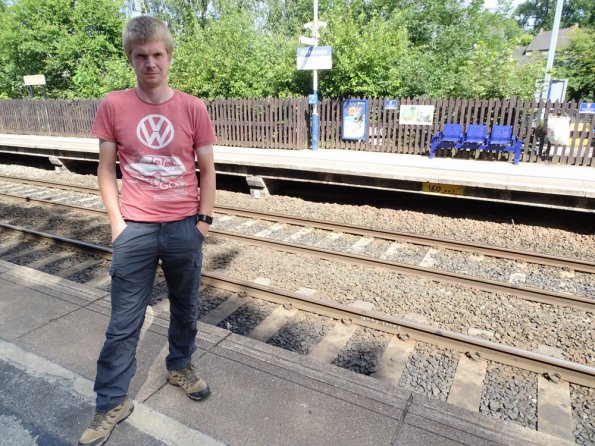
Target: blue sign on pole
354 122
586 107
391 104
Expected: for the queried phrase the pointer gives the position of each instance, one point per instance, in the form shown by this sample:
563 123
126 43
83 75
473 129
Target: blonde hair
143 29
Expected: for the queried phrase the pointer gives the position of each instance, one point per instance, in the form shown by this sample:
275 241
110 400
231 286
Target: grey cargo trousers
136 253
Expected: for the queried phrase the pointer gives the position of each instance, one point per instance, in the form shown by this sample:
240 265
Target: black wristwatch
206 218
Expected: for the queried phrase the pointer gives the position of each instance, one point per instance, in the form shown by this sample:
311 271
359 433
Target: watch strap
206 218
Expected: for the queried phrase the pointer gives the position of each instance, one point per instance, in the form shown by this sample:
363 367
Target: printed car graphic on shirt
160 171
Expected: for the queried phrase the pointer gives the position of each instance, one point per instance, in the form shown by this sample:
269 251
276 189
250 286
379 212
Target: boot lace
98 420
189 374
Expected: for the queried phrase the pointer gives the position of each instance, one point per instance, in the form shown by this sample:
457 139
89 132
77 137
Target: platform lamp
552 51
312 42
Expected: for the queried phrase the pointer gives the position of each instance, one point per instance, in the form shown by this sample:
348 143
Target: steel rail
72 207
532 294
569 371
58 240
489 250
51 184
527 360
493 251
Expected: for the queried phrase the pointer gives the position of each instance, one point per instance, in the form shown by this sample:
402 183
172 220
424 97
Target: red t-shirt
156 148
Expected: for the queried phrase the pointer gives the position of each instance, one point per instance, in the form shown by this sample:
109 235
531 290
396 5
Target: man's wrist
205 218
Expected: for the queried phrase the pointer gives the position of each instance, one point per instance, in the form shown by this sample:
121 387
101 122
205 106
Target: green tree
539 14
247 48
70 43
491 74
366 54
231 58
577 64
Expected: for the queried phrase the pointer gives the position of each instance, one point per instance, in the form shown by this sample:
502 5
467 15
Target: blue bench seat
476 138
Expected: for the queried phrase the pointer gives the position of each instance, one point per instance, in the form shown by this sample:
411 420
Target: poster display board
354 122
416 115
558 130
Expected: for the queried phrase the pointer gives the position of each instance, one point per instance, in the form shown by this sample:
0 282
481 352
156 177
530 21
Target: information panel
416 114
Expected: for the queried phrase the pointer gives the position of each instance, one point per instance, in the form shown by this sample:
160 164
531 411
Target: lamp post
315 118
313 42
552 51
314 58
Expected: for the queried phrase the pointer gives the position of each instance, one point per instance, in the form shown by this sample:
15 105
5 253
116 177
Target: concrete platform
538 184
50 336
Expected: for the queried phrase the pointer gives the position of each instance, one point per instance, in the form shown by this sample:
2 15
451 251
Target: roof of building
541 42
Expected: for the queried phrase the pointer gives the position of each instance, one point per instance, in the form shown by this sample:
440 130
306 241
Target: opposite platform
51 331
539 184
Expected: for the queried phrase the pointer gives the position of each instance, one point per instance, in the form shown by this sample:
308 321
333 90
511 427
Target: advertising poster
416 114
355 120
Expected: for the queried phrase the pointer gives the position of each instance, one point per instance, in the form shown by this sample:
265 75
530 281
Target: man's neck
155 95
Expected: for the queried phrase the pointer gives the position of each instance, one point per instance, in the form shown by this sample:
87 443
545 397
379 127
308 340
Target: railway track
493 251
225 297
421 265
474 357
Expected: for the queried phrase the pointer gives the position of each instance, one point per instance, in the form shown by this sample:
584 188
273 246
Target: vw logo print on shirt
155 131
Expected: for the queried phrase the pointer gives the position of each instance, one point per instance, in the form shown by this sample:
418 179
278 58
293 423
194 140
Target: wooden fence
263 123
284 124
528 118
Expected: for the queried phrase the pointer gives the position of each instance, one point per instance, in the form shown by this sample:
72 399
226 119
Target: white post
315 118
552 51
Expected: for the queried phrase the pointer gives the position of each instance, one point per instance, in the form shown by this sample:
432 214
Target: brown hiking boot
195 387
104 423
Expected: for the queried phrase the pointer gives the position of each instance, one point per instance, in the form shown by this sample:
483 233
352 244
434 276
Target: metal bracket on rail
58 165
257 186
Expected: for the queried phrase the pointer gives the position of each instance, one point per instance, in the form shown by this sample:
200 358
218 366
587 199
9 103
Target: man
157 133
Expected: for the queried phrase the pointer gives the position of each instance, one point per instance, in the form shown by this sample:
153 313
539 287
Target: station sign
315 58
586 107
36 79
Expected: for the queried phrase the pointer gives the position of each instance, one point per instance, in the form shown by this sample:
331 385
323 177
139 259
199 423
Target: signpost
314 58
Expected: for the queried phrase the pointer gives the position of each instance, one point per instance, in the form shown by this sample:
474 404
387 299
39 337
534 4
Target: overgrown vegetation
247 48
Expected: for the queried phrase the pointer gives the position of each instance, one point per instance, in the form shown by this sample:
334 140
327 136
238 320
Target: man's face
151 63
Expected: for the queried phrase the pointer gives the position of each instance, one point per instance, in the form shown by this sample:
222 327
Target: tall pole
552 51
315 118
